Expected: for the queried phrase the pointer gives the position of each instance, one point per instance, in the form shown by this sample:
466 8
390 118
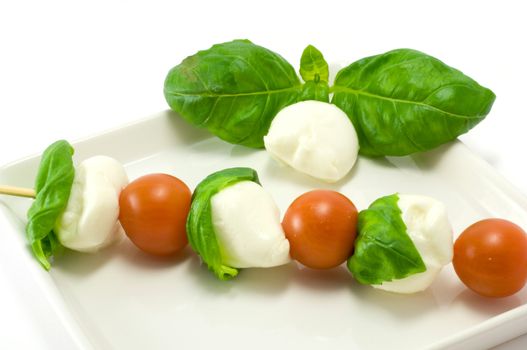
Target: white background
69 69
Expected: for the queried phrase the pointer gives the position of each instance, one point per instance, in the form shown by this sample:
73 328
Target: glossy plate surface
123 299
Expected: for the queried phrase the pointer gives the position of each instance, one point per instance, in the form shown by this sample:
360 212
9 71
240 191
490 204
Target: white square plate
123 299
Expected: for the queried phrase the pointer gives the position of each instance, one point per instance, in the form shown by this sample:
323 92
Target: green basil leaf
53 186
315 91
405 101
200 230
233 89
315 72
313 66
383 249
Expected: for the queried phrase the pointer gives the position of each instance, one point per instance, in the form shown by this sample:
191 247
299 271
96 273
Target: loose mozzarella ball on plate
89 221
315 138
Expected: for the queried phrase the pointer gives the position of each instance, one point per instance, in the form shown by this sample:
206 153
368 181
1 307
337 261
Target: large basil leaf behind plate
383 249
233 89
200 229
53 186
405 101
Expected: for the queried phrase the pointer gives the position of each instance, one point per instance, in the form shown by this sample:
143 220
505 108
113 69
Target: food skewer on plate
234 224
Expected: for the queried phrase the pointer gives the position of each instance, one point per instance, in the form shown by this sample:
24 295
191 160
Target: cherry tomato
321 227
490 257
153 213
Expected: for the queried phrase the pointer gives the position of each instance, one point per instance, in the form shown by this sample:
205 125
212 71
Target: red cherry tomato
321 227
153 213
490 257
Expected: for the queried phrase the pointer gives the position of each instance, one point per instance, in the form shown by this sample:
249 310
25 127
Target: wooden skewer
17 191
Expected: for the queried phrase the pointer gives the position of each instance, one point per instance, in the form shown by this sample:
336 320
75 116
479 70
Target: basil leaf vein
338 89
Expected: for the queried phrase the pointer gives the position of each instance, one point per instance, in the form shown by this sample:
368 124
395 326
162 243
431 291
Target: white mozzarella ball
315 138
247 225
90 220
429 229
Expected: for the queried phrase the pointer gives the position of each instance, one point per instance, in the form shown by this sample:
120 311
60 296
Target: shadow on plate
427 161
185 131
403 306
487 306
274 168
238 151
83 264
251 280
136 257
325 280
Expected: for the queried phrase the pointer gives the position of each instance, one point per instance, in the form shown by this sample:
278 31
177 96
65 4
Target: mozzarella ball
89 221
429 229
247 224
315 138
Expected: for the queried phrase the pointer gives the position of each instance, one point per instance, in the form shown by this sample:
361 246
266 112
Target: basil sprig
399 102
383 249
314 71
53 186
200 229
